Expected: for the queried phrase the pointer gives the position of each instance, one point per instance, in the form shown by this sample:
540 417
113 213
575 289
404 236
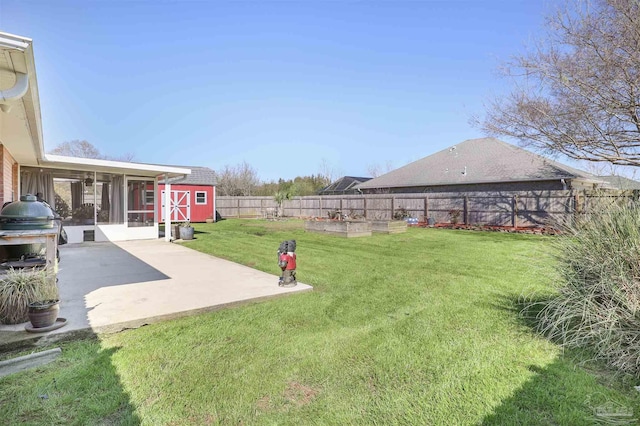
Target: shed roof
199 176
481 160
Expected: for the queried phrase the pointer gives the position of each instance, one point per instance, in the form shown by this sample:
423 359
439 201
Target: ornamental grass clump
598 305
19 287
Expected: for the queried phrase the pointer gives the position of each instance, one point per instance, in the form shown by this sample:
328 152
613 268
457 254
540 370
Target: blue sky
286 86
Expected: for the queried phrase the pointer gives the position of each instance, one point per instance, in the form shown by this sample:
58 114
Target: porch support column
167 209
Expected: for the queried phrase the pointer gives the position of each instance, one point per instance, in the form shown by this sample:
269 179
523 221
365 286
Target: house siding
8 176
199 212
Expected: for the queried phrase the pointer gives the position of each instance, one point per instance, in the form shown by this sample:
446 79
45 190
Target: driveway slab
108 287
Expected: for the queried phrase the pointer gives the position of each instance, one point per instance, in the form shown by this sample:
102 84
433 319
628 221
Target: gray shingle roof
198 176
619 182
476 161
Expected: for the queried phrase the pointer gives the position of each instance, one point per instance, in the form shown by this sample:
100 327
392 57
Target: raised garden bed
540 230
340 228
388 226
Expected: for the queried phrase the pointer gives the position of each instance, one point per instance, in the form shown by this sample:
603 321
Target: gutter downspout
16 92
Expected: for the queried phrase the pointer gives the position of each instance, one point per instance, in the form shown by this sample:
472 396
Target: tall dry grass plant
19 287
598 305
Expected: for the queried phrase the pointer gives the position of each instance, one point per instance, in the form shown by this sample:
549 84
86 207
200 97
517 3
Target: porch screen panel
140 203
34 182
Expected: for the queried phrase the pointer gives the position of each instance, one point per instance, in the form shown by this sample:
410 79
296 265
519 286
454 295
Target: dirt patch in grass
115 418
299 394
264 403
295 394
372 385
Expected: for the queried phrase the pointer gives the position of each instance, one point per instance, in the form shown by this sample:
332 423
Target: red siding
199 212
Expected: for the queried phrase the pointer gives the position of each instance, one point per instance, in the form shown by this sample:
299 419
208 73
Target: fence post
365 208
466 210
426 209
320 205
514 211
238 207
341 205
393 206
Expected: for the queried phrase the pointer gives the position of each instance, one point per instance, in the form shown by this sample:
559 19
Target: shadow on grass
82 386
573 389
562 394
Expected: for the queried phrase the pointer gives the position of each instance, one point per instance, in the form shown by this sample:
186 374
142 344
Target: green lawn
417 328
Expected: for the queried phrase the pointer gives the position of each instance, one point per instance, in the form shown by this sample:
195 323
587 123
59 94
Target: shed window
201 197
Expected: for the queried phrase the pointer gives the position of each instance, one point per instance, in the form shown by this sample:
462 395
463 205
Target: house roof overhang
482 182
21 126
108 166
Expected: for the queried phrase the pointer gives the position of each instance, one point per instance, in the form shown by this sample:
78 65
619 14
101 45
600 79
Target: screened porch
97 205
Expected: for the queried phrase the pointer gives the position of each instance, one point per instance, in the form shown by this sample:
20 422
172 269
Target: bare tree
374 170
327 171
578 92
127 157
77 148
609 169
241 179
84 149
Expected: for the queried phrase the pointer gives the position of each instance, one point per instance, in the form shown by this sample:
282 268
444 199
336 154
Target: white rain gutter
18 90
12 41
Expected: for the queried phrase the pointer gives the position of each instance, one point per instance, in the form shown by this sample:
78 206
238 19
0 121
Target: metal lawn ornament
287 263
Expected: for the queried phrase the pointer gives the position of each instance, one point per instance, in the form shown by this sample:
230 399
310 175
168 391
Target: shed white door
180 206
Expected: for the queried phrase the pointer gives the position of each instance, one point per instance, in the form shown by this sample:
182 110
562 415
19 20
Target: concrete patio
108 287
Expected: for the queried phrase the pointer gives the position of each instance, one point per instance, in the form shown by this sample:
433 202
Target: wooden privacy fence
522 208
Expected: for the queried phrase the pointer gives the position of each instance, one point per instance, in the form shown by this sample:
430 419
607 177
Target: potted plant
186 231
21 287
83 214
103 216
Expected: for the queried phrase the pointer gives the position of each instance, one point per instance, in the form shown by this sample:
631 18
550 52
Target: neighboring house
344 185
193 197
481 165
101 200
619 182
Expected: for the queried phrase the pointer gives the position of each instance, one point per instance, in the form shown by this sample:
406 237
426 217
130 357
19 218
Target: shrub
61 206
83 212
598 304
401 213
454 216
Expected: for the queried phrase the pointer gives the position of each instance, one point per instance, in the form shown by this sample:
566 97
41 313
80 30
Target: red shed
193 197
